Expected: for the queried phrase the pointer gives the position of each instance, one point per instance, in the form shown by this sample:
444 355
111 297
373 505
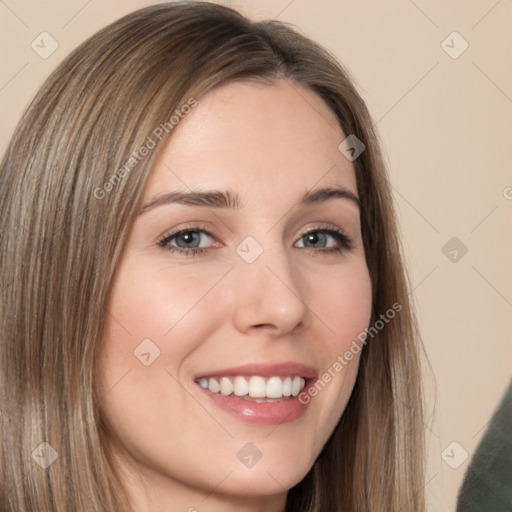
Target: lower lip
265 413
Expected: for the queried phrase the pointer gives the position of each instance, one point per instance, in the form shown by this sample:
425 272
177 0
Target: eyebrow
230 200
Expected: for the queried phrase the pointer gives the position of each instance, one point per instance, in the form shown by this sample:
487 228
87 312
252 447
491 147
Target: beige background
446 125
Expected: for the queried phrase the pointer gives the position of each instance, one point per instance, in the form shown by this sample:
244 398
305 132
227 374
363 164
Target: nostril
264 326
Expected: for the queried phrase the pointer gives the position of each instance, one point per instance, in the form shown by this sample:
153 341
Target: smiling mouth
255 388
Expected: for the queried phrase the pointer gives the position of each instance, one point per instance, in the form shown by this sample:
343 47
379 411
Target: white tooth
213 386
226 386
257 387
287 386
296 386
240 387
274 387
203 383
302 383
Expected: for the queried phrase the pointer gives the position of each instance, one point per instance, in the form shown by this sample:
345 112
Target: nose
269 294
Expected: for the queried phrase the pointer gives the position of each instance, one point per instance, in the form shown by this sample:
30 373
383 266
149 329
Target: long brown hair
63 228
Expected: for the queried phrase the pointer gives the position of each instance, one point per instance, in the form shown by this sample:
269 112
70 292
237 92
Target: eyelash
345 243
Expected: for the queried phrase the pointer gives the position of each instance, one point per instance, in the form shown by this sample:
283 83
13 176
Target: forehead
264 141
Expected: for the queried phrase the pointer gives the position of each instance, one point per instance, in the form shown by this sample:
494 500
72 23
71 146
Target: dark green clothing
487 485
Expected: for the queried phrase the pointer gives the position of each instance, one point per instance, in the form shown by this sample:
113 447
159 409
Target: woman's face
260 294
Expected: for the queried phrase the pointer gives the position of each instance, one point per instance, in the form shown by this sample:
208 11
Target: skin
174 448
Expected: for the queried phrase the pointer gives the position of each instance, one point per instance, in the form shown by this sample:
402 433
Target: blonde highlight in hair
61 245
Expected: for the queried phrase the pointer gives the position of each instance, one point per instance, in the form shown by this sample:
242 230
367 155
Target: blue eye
188 241
319 238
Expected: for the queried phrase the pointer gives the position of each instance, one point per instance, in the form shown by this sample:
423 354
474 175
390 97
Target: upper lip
263 370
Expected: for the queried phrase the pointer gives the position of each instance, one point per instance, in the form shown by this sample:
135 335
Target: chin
266 479
263 482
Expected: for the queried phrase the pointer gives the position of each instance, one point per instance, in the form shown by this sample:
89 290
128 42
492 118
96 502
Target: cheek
164 314
343 303
153 303
344 309
157 311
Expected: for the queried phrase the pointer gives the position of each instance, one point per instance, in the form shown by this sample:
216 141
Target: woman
204 305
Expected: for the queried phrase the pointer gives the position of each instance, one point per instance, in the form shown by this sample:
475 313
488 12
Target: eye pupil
189 237
315 238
